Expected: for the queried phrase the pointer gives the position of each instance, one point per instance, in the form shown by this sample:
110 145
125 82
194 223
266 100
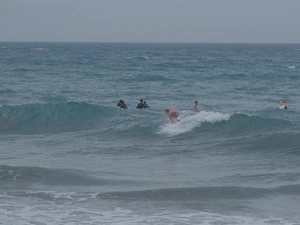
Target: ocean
69 155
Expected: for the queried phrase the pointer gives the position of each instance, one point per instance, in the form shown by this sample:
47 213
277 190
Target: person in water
283 104
145 105
173 114
196 105
140 105
123 105
120 102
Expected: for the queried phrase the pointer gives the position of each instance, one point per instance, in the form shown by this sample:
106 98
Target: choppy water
69 155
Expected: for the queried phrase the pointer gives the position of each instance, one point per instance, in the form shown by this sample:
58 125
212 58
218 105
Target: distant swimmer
173 114
145 105
196 105
282 105
140 105
120 102
123 105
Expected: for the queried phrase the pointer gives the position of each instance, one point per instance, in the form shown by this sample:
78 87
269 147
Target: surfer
140 105
173 114
120 102
282 105
196 105
123 105
145 105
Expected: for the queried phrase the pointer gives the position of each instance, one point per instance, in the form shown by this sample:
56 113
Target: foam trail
189 120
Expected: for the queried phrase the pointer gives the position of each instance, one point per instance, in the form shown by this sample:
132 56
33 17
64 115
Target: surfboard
281 106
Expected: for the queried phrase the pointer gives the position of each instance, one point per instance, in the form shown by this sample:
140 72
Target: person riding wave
173 114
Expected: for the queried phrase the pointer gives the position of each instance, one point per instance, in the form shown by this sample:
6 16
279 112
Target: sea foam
189 120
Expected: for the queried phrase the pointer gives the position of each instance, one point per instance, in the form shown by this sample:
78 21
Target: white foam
38 49
189 120
292 67
70 214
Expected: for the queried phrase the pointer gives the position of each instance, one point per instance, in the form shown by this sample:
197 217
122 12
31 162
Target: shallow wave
281 143
6 91
223 123
195 193
25 177
78 208
203 193
45 118
245 124
170 194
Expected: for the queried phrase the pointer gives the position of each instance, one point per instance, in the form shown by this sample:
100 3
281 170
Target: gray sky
225 21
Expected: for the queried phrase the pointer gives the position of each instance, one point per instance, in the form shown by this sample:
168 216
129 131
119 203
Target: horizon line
141 42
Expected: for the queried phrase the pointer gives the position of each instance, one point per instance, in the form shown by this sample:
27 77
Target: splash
189 120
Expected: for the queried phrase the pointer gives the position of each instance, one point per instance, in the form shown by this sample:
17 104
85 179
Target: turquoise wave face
52 118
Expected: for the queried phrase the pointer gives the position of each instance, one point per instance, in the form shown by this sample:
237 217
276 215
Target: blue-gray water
233 161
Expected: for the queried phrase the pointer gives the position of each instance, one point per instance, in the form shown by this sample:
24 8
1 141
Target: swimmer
140 105
282 105
123 105
173 114
119 103
196 105
145 105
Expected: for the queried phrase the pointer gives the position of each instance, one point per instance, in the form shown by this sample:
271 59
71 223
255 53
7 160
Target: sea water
69 155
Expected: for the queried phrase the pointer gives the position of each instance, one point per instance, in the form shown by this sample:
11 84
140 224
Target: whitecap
38 49
189 120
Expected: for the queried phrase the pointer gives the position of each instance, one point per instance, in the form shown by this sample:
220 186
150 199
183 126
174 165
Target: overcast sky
225 21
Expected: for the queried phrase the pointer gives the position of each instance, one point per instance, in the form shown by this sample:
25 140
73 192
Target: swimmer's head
167 110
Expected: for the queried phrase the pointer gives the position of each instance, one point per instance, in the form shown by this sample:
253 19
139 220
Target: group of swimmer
122 104
141 105
173 114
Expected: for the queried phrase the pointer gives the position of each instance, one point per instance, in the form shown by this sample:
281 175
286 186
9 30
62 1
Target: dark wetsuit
140 106
123 106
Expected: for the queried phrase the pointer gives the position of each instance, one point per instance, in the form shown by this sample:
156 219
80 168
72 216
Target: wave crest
189 120
45 118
